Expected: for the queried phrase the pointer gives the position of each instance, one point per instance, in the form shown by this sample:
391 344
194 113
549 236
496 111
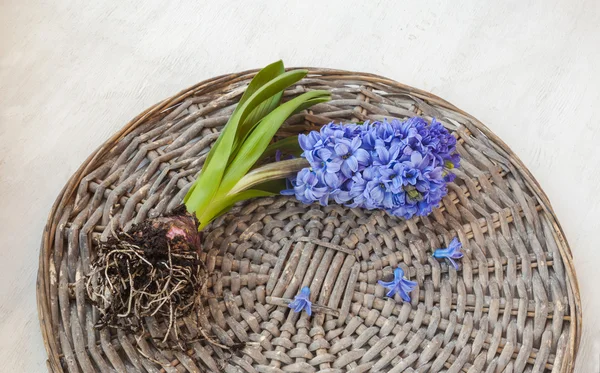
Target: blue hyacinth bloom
398 166
394 177
350 155
308 188
384 155
311 141
451 252
302 302
399 285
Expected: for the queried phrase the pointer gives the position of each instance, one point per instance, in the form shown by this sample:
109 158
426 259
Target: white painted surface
72 73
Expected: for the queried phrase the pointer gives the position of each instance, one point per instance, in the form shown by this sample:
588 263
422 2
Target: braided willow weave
512 307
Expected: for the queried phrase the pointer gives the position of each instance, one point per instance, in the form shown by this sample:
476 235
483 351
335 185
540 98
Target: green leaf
289 145
265 75
247 194
254 118
190 191
271 171
273 186
274 86
252 121
259 139
261 78
222 206
212 173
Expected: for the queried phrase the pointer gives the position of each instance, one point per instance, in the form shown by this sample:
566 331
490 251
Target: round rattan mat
513 306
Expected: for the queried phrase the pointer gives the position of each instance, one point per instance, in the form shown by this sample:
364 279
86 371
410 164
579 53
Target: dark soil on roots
143 272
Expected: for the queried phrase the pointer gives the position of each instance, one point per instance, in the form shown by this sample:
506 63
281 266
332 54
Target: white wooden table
72 73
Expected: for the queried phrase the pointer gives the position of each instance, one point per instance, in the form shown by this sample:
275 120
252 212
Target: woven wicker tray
514 305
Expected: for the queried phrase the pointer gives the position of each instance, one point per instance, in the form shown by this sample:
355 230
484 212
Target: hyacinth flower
451 253
399 285
302 302
401 167
350 155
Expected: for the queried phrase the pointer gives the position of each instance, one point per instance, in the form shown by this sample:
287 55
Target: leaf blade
212 173
259 139
261 78
268 73
289 144
269 172
222 206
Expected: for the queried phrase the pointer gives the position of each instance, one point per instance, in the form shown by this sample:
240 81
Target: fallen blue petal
451 252
302 302
399 285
